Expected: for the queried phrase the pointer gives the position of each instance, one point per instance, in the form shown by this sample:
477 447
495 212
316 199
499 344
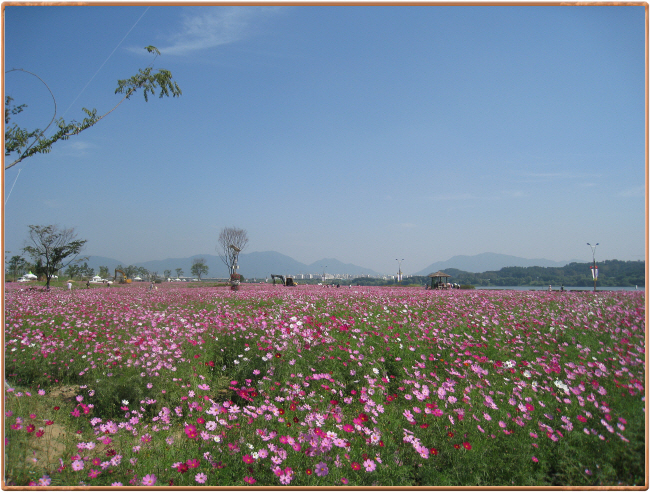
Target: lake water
557 288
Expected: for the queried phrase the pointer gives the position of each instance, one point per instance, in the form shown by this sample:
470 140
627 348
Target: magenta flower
248 459
249 480
191 432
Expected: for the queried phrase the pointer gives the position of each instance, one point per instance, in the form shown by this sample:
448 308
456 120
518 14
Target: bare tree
231 242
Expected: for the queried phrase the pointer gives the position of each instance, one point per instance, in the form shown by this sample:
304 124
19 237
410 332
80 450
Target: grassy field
314 386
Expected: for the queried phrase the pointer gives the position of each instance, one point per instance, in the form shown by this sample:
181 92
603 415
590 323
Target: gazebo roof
438 274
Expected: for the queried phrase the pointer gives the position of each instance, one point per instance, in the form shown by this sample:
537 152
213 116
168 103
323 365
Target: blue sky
362 133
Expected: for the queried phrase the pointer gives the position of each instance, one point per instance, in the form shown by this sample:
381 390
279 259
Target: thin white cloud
52 203
408 225
633 192
80 145
560 175
209 27
514 194
454 196
77 148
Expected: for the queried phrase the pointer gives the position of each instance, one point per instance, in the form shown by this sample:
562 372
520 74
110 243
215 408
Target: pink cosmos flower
201 477
149 480
249 480
369 465
321 469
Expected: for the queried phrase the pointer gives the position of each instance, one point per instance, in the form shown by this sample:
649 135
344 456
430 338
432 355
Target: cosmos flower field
313 386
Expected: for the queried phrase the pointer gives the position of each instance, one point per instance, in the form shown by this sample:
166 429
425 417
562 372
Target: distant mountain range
485 262
252 265
262 264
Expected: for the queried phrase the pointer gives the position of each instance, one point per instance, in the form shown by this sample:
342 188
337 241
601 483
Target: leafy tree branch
25 143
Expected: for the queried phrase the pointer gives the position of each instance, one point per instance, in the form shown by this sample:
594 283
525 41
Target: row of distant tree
199 268
17 266
55 251
611 273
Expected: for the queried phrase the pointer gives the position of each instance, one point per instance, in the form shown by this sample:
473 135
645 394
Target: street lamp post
399 269
594 269
324 274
